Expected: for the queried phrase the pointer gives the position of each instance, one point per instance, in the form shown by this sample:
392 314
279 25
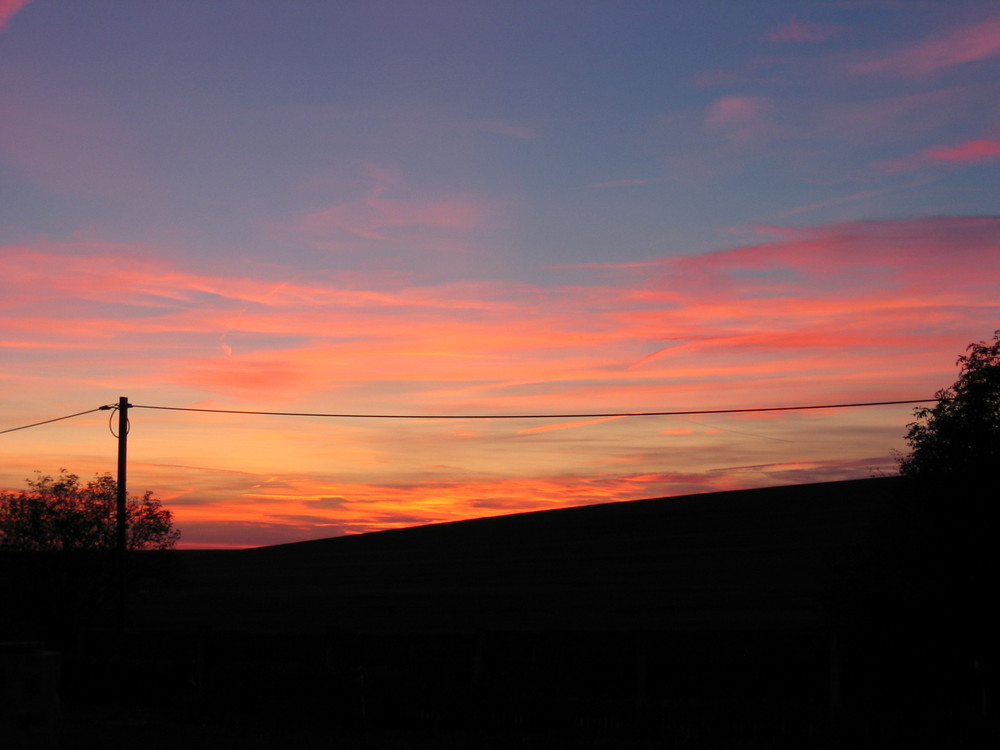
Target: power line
538 416
57 419
595 415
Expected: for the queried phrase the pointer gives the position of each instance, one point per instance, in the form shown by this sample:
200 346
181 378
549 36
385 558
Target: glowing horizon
451 209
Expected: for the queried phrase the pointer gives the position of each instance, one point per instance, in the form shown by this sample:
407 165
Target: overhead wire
57 419
688 412
594 415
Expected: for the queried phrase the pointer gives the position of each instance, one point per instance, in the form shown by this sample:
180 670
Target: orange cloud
564 425
304 509
359 506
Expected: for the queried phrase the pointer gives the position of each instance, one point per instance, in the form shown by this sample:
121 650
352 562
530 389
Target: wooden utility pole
121 516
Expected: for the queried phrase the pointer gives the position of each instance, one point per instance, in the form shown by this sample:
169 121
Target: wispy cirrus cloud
505 129
966 153
863 195
626 183
390 208
564 425
848 287
964 44
887 119
978 151
908 249
740 119
803 31
8 8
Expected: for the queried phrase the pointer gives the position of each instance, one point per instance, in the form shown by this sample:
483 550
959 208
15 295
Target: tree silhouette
57 553
958 439
946 562
59 514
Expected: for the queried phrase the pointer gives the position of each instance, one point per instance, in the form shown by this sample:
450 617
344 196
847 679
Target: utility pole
123 407
121 517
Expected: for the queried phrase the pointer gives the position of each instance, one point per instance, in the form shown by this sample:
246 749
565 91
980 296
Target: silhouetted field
741 619
725 561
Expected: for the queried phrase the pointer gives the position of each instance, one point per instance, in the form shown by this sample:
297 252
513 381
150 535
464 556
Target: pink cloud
864 195
980 151
505 129
851 288
630 265
376 218
864 244
8 8
970 151
970 43
802 31
742 120
388 209
625 183
733 110
713 78
769 69
887 120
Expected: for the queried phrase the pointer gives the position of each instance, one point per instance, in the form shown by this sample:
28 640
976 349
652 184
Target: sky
479 208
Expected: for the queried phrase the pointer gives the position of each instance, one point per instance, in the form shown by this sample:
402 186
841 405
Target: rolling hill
762 558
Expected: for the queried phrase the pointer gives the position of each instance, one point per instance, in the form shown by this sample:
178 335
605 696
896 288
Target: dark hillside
757 618
730 560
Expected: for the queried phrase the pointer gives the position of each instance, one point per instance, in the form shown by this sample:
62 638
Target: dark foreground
758 619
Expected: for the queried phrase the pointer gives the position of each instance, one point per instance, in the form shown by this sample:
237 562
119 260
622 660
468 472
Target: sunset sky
474 208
